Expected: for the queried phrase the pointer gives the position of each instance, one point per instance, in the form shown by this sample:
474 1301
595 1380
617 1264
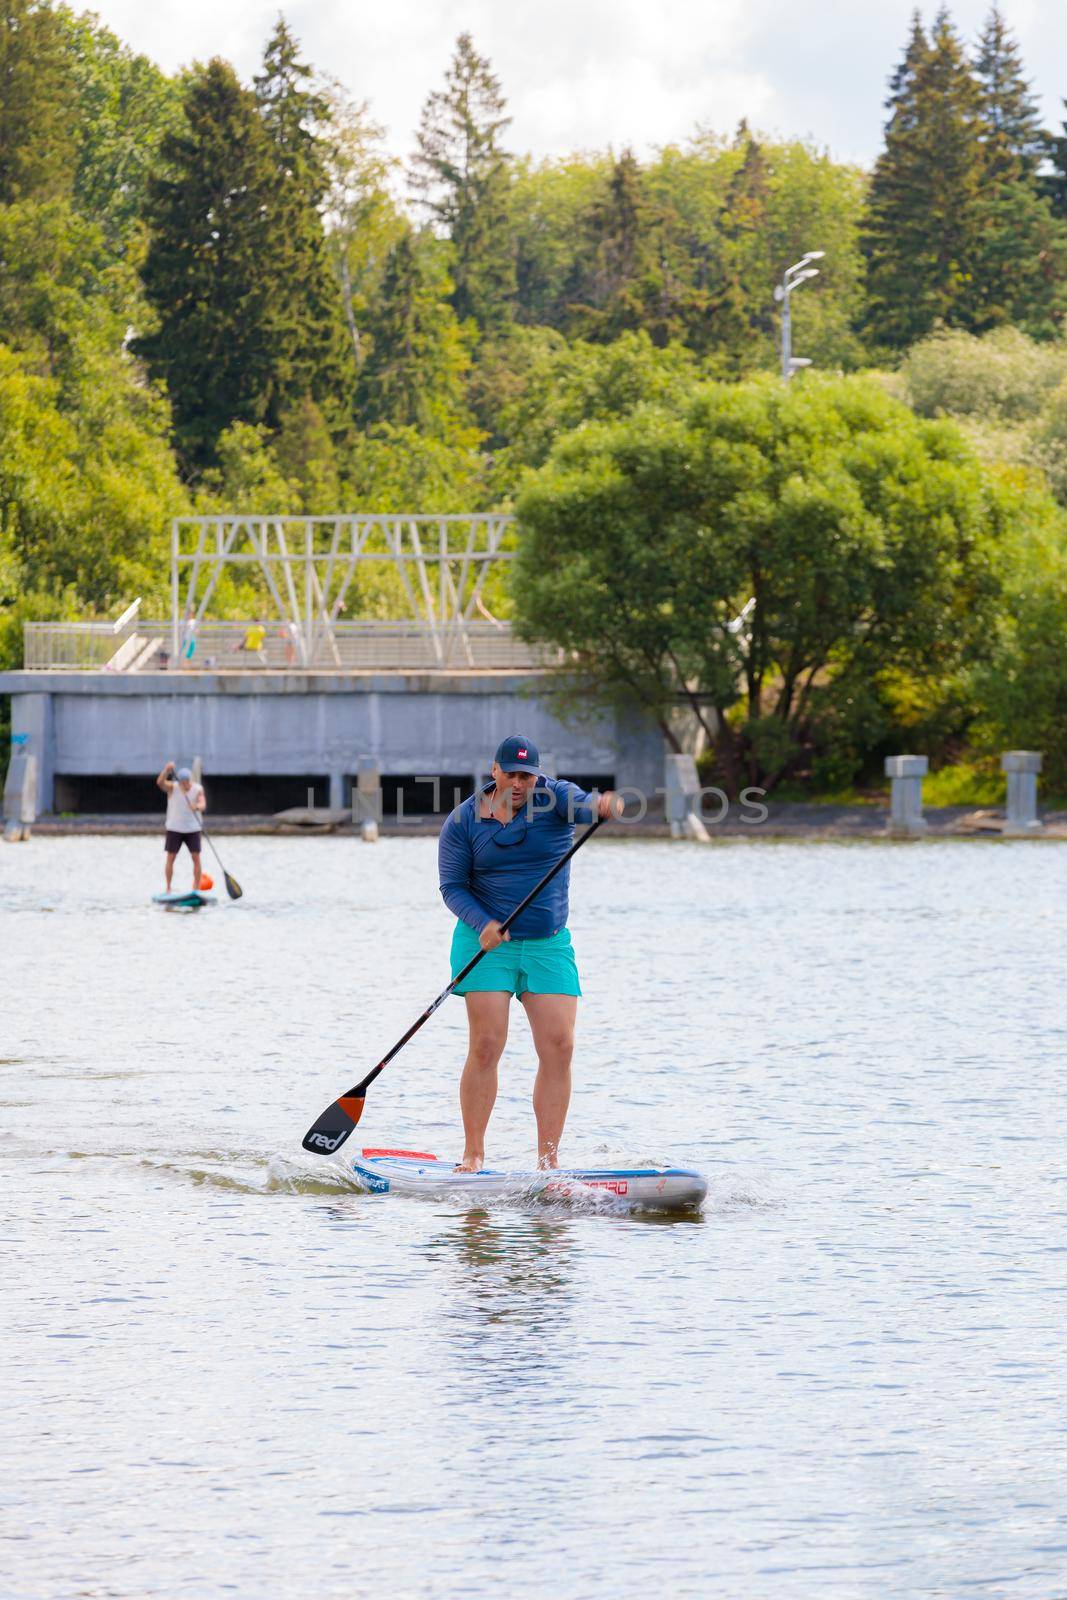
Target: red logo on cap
522 755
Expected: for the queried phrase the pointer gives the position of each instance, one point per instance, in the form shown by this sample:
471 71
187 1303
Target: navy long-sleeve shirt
487 867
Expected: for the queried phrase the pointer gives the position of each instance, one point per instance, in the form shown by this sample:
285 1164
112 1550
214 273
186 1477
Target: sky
588 74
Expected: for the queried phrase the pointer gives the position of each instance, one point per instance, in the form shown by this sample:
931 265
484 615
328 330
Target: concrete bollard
1022 768
20 795
682 784
906 820
367 798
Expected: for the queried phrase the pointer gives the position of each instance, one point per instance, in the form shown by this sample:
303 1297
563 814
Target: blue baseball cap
184 775
516 754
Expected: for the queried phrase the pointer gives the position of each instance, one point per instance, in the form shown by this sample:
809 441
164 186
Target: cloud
584 74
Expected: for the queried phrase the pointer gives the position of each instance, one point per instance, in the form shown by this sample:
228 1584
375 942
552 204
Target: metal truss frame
308 564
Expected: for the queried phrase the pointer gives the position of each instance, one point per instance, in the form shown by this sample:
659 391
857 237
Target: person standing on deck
492 851
185 803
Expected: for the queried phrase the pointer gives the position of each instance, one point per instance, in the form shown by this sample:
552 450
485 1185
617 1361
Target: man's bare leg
168 869
487 1018
196 873
552 1018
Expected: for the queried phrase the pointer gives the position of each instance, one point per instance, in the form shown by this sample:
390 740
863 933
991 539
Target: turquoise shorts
518 966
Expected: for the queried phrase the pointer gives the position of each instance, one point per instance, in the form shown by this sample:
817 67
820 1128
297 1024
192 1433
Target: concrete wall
266 723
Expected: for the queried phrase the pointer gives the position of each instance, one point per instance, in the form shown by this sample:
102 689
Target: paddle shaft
198 816
361 1088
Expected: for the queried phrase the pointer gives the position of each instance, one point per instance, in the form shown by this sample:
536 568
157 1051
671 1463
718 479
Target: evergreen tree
1020 264
414 372
1054 182
924 212
212 271
1012 137
461 172
742 305
605 296
632 271
38 121
318 358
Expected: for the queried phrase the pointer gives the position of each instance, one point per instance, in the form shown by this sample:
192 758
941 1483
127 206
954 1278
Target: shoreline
787 820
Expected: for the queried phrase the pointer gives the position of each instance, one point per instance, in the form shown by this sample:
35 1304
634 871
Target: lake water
227 1373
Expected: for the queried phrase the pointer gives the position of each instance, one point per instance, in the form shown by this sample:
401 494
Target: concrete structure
20 791
682 784
1022 768
310 725
906 774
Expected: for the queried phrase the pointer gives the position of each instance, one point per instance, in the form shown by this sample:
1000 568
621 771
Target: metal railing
357 646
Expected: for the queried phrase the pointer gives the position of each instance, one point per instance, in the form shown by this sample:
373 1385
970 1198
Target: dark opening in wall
227 795
260 795
131 794
433 795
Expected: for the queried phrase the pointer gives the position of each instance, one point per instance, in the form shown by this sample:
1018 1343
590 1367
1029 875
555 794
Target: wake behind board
413 1172
184 900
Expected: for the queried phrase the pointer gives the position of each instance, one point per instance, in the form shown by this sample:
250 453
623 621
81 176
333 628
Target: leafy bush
1002 375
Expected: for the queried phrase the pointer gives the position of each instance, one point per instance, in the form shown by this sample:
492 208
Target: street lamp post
792 277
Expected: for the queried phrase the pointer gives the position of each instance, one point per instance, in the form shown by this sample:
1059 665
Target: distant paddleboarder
185 804
493 850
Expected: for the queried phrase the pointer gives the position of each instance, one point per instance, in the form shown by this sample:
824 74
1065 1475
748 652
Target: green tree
1020 688
745 208
1012 136
461 172
717 221
87 479
413 375
743 307
549 204
606 296
125 107
633 272
38 104
87 482
1020 259
1019 264
363 219
247 476
765 557
564 386
393 468
307 457
314 355
924 216
1048 441
224 336
1054 181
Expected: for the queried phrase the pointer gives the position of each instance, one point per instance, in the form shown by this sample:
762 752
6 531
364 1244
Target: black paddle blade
233 888
333 1127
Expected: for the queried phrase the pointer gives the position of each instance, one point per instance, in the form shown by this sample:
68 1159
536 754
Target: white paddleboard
414 1172
187 900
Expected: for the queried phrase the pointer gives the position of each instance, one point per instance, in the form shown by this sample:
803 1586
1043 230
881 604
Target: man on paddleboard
494 848
185 803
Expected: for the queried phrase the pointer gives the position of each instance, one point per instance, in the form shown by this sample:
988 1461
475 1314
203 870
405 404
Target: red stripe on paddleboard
416 1155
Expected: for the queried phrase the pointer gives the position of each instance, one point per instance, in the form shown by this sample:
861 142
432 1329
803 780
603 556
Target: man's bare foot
470 1163
547 1163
